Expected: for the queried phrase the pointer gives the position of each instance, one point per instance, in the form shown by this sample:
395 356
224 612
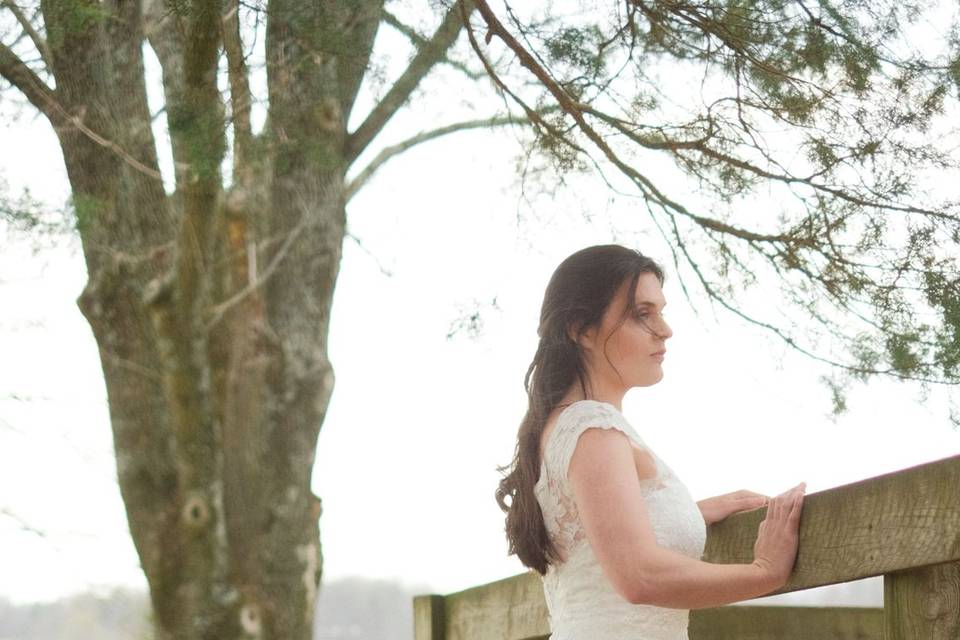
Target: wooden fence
904 526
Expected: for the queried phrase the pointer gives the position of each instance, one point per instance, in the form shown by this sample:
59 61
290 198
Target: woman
610 528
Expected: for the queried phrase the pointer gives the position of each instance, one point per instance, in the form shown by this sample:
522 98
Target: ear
586 339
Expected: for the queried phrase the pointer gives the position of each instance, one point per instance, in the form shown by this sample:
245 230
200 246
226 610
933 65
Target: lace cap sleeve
579 417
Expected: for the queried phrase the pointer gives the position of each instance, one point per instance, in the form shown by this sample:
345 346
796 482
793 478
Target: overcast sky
418 422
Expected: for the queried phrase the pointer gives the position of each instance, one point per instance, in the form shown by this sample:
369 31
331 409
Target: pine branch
793 242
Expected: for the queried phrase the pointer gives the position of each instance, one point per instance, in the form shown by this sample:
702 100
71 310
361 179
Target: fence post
922 603
428 618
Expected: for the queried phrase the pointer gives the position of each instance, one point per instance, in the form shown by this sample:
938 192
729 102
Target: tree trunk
211 308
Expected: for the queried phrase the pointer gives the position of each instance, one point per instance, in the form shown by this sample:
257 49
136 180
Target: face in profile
633 346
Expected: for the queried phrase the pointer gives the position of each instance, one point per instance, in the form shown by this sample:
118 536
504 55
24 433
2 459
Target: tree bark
211 306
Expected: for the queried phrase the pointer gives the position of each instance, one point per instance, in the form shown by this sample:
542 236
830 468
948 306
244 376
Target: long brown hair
576 298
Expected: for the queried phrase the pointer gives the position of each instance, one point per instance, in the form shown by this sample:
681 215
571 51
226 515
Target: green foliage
815 49
944 295
838 396
953 72
900 351
577 47
820 151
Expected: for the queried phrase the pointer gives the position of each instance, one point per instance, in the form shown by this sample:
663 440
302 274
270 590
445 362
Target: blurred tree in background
210 301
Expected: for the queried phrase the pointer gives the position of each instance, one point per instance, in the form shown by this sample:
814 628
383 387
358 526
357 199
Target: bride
613 532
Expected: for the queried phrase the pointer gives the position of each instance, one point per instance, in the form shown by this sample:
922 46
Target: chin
651 380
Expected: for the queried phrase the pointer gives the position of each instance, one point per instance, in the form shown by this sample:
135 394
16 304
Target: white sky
418 423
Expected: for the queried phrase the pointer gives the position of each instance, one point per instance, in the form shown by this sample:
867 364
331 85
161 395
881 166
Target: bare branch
427 57
363 248
30 85
217 312
240 97
23 523
393 150
419 41
45 100
38 40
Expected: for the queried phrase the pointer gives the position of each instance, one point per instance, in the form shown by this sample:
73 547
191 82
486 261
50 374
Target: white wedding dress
581 602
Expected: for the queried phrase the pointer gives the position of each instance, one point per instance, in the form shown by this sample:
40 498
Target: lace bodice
581 601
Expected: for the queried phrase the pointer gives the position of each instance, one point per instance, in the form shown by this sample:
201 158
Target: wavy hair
576 298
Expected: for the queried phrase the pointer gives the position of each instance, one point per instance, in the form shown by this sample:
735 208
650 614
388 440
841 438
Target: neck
598 393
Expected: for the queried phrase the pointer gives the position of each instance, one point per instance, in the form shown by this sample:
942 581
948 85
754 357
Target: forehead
648 295
648 292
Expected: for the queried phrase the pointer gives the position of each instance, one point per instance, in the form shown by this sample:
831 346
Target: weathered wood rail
903 525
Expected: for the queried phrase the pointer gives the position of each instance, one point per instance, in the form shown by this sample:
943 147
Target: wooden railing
904 526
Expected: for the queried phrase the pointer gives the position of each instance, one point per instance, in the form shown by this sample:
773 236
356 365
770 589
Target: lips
659 353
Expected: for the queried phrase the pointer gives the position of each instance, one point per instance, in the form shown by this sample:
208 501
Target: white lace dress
582 603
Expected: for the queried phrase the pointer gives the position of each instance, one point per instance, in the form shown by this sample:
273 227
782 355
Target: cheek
633 344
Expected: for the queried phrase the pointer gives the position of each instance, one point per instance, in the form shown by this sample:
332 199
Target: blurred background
433 326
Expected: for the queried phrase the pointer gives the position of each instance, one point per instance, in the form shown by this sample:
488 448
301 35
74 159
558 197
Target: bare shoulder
611 506
602 454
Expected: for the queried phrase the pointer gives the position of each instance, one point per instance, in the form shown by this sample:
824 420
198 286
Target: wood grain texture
922 603
509 608
786 623
428 617
905 519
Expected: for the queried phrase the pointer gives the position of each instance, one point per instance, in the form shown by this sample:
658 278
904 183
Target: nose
668 333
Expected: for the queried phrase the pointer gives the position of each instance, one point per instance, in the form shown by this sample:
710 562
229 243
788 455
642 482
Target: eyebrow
647 303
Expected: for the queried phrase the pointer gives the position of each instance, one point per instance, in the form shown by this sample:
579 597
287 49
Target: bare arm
604 482
675 580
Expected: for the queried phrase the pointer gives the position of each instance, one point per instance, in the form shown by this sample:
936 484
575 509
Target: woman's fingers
779 502
795 511
797 506
780 507
777 540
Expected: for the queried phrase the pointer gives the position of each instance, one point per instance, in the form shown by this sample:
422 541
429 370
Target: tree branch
240 97
429 55
419 41
165 31
654 197
699 145
352 32
388 153
216 314
30 85
200 120
37 39
23 523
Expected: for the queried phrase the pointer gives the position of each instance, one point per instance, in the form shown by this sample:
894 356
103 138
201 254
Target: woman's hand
775 550
719 507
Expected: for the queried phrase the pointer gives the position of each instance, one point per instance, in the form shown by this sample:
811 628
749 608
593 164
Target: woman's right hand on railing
775 550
